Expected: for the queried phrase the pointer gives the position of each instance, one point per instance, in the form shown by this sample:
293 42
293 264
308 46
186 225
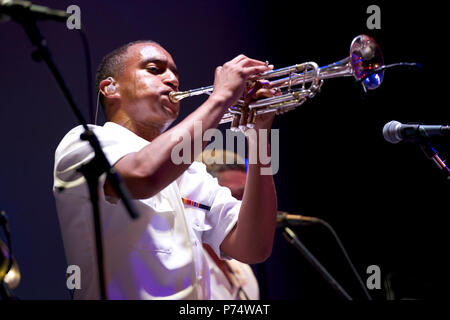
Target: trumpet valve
235 122
243 121
251 119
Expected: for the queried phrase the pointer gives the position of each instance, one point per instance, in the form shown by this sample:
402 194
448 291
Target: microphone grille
391 132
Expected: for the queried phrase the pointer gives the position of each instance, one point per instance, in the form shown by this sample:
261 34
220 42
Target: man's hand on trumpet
260 89
230 80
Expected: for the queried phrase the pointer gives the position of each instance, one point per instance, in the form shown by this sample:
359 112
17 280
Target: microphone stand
99 164
292 238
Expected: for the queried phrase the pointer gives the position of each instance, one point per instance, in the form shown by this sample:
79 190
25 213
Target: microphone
284 218
20 10
394 131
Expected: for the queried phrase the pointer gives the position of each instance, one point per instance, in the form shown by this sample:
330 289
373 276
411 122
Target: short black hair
112 65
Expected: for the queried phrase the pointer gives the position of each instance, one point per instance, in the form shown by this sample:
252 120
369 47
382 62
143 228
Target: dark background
386 202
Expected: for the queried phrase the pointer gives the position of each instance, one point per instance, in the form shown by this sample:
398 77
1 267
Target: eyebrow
158 60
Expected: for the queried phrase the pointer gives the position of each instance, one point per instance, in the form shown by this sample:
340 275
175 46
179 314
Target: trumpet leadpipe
176 96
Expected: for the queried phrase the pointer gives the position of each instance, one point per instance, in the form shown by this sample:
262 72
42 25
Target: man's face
149 75
234 180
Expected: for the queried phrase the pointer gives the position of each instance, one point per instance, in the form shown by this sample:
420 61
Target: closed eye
153 69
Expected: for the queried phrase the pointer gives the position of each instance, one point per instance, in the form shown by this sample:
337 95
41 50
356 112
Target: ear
109 88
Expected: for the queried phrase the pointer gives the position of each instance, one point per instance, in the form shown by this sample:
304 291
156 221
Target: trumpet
365 63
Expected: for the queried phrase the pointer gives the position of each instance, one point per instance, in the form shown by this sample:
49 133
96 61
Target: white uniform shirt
246 286
157 256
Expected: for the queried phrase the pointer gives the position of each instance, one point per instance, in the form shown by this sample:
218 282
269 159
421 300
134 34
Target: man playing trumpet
159 255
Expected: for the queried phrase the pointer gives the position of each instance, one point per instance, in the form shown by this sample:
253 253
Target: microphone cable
347 257
410 65
88 61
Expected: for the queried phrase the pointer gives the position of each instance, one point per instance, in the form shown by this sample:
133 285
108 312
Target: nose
171 80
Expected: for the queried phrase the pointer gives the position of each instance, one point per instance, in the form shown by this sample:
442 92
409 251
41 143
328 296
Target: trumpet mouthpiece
175 96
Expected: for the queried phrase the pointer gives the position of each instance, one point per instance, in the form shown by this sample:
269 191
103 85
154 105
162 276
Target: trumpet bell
365 58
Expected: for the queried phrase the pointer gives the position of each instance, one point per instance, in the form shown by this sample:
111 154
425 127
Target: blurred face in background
234 180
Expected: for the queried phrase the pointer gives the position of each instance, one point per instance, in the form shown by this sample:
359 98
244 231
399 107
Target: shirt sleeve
198 185
73 152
